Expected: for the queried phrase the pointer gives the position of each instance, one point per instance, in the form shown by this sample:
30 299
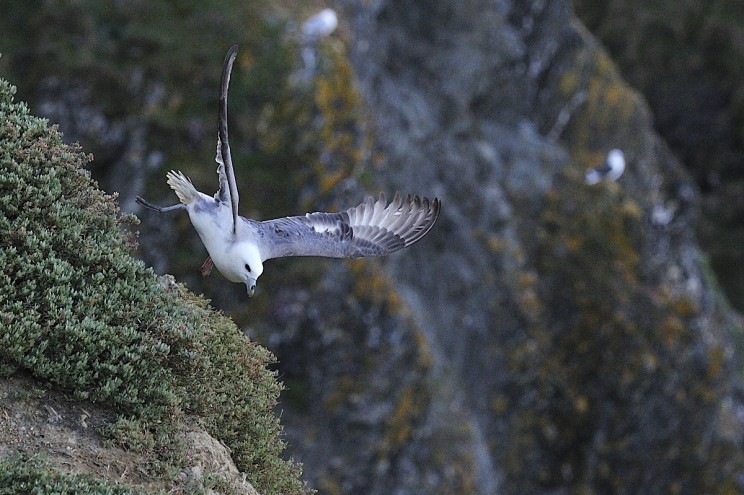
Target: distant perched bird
319 25
315 28
610 170
238 246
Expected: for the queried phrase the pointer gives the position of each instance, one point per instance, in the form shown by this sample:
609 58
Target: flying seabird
610 170
238 246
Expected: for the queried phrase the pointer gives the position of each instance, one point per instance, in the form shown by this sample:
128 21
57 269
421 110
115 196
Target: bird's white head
248 266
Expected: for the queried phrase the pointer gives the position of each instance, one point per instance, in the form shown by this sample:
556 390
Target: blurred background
547 336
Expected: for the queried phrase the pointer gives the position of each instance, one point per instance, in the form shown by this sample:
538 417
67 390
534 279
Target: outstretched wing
228 191
373 228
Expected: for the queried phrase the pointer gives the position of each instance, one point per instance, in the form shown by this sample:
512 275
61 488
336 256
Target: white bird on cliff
238 246
319 25
315 28
611 170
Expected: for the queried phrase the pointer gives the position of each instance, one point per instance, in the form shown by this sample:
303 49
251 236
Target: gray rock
573 340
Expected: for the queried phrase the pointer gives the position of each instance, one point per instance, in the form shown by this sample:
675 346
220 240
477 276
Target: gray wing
228 191
373 228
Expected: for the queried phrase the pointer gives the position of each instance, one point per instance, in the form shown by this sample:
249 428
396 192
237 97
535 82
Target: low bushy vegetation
21 476
80 313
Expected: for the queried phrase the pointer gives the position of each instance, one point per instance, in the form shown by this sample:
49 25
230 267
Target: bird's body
209 217
611 170
373 228
238 246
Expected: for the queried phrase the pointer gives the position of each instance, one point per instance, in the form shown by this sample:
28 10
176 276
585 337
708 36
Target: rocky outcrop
575 334
40 422
686 60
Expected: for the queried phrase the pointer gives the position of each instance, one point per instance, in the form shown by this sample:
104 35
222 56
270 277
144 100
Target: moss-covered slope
79 313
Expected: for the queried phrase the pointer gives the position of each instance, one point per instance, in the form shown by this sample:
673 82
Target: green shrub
77 311
20 476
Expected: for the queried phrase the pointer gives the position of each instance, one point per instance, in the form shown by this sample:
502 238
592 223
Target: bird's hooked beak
251 285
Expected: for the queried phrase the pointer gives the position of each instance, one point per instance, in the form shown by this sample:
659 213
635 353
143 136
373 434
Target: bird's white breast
214 226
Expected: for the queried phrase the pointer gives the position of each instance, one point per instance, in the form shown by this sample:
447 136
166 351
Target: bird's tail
183 187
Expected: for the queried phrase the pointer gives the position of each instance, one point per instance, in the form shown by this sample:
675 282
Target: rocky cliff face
546 336
687 60
575 335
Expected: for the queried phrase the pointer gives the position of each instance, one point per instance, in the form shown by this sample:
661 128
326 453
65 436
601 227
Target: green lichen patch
621 378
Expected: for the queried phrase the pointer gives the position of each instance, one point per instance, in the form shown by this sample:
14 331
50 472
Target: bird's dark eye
248 267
